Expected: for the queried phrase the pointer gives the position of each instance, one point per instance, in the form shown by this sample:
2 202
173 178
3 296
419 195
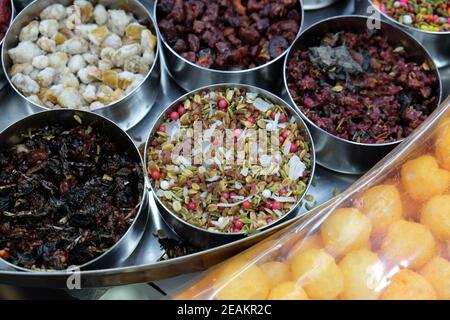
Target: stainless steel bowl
125 246
190 76
203 238
317 4
126 112
335 153
437 43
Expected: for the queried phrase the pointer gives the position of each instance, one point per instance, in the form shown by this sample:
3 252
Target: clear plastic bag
386 237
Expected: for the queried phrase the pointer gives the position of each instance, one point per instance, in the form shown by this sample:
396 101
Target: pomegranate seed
268 205
181 110
285 134
269 220
237 133
238 224
156 175
246 205
225 195
223 104
293 148
233 194
236 230
221 207
282 192
277 206
174 116
256 113
162 128
282 139
251 120
272 115
283 118
191 206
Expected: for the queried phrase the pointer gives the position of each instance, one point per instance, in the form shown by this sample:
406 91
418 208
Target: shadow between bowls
332 152
125 246
200 237
126 112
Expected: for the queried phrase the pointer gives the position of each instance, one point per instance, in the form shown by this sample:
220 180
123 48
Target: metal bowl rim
108 106
141 205
267 95
405 25
231 72
324 21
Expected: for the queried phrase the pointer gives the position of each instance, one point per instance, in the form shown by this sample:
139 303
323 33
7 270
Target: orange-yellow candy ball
264 251
382 205
310 242
436 216
277 272
288 291
408 285
239 280
345 230
437 272
363 274
408 244
443 143
423 179
316 271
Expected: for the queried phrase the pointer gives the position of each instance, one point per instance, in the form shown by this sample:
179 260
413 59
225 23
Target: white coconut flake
266 193
262 105
172 128
221 223
244 171
265 161
160 193
237 185
287 147
251 96
204 194
184 161
237 197
165 185
212 179
296 168
229 205
283 199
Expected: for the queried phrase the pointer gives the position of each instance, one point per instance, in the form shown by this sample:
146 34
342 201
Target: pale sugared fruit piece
382 205
422 178
437 272
316 271
363 275
345 230
311 242
134 31
443 143
408 285
110 78
241 280
288 291
407 244
277 272
436 216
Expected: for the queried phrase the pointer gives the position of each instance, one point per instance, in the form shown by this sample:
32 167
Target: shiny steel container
126 245
126 112
317 4
437 43
200 237
190 76
335 153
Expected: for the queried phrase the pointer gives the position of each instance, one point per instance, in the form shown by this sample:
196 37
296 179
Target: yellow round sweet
437 272
423 179
288 291
408 244
263 251
345 230
240 280
408 285
311 242
443 143
382 205
277 272
436 216
316 271
363 275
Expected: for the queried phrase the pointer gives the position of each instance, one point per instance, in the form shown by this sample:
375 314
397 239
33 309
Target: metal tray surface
144 264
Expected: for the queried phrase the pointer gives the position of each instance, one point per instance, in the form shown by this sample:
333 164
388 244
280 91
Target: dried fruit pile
66 196
360 88
220 193
5 17
427 15
229 34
